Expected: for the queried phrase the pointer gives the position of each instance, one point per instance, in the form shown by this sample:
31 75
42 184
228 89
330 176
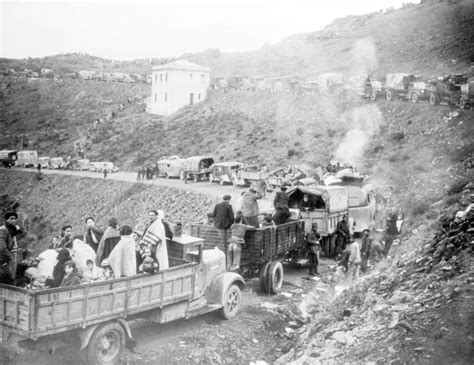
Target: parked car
223 171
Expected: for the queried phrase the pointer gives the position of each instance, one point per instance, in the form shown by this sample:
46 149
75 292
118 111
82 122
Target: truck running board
201 310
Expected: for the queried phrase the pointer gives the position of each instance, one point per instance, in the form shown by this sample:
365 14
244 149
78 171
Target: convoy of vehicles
97 313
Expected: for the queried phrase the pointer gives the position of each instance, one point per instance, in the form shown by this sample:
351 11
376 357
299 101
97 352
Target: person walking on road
250 207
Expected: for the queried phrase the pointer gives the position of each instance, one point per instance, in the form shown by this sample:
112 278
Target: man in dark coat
365 248
93 234
8 245
223 217
280 202
313 242
391 230
343 236
109 240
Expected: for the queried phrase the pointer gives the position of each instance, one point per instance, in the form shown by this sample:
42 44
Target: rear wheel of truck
462 103
389 95
414 98
275 277
232 302
373 96
263 277
167 176
106 344
434 100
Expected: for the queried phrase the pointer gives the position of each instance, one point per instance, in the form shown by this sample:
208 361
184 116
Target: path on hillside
204 187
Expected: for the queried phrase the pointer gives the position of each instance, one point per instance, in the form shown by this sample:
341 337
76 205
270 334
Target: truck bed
33 314
264 244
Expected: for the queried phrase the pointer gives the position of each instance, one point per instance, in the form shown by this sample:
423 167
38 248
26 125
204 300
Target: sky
163 28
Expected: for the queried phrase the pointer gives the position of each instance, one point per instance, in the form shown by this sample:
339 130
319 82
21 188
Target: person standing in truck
8 247
250 207
282 210
223 215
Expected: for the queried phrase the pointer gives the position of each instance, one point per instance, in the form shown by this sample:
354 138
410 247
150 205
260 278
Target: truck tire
414 98
332 245
389 95
106 344
434 99
373 96
462 103
275 277
232 302
167 176
263 276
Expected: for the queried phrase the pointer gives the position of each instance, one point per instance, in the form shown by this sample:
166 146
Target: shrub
378 148
291 152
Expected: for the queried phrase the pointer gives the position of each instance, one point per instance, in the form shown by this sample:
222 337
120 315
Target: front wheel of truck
106 344
232 302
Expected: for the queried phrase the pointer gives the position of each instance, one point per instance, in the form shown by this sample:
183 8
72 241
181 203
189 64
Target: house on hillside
177 84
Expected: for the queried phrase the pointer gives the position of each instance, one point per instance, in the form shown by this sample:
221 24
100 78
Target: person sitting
148 266
306 204
58 271
122 259
267 221
237 240
92 273
71 276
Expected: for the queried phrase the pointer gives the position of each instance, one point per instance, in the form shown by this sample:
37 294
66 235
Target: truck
405 86
264 251
452 89
8 158
196 168
195 283
44 162
362 88
27 158
247 175
331 204
56 163
222 171
361 206
170 166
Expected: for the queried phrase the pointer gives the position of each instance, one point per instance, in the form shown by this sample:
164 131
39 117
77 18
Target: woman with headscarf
155 237
122 259
58 271
108 241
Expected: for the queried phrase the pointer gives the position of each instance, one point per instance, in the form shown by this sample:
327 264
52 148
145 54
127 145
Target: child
71 277
91 272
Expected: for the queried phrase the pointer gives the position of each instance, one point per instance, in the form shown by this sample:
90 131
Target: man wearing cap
223 217
8 245
282 210
250 207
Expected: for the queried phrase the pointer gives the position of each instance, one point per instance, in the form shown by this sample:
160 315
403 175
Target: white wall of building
173 89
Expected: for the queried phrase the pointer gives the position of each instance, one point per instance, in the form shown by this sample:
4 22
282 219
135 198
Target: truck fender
86 334
220 284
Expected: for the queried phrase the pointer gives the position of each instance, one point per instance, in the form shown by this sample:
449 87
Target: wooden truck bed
264 244
33 314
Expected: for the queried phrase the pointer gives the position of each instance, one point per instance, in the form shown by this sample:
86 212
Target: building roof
182 65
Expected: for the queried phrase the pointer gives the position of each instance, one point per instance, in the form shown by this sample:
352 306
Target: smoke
364 123
364 57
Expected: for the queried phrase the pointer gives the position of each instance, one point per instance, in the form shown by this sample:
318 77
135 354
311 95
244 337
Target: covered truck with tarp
361 206
331 203
196 168
405 86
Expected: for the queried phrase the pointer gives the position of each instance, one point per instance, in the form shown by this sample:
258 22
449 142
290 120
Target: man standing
313 241
391 230
343 236
250 207
8 248
365 248
282 210
223 217
93 234
353 269
236 242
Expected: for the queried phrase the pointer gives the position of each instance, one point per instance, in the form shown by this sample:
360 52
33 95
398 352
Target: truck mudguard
86 334
220 284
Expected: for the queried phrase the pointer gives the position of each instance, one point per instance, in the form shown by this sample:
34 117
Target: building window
190 76
166 97
166 77
155 98
161 77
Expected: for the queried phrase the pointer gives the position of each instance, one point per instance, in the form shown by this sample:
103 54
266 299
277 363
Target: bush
291 152
457 187
331 132
378 148
419 208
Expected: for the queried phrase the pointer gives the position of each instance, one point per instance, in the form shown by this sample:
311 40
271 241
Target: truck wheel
263 276
106 344
373 96
389 95
434 100
275 277
232 302
167 176
332 245
414 98
462 103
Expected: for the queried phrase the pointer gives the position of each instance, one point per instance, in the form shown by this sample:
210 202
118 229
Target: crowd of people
97 254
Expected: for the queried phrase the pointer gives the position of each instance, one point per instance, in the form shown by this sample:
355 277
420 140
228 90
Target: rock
340 337
346 312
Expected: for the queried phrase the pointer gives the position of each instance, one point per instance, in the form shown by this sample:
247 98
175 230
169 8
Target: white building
177 84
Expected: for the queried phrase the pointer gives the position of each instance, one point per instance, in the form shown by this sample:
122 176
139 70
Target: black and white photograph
220 182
